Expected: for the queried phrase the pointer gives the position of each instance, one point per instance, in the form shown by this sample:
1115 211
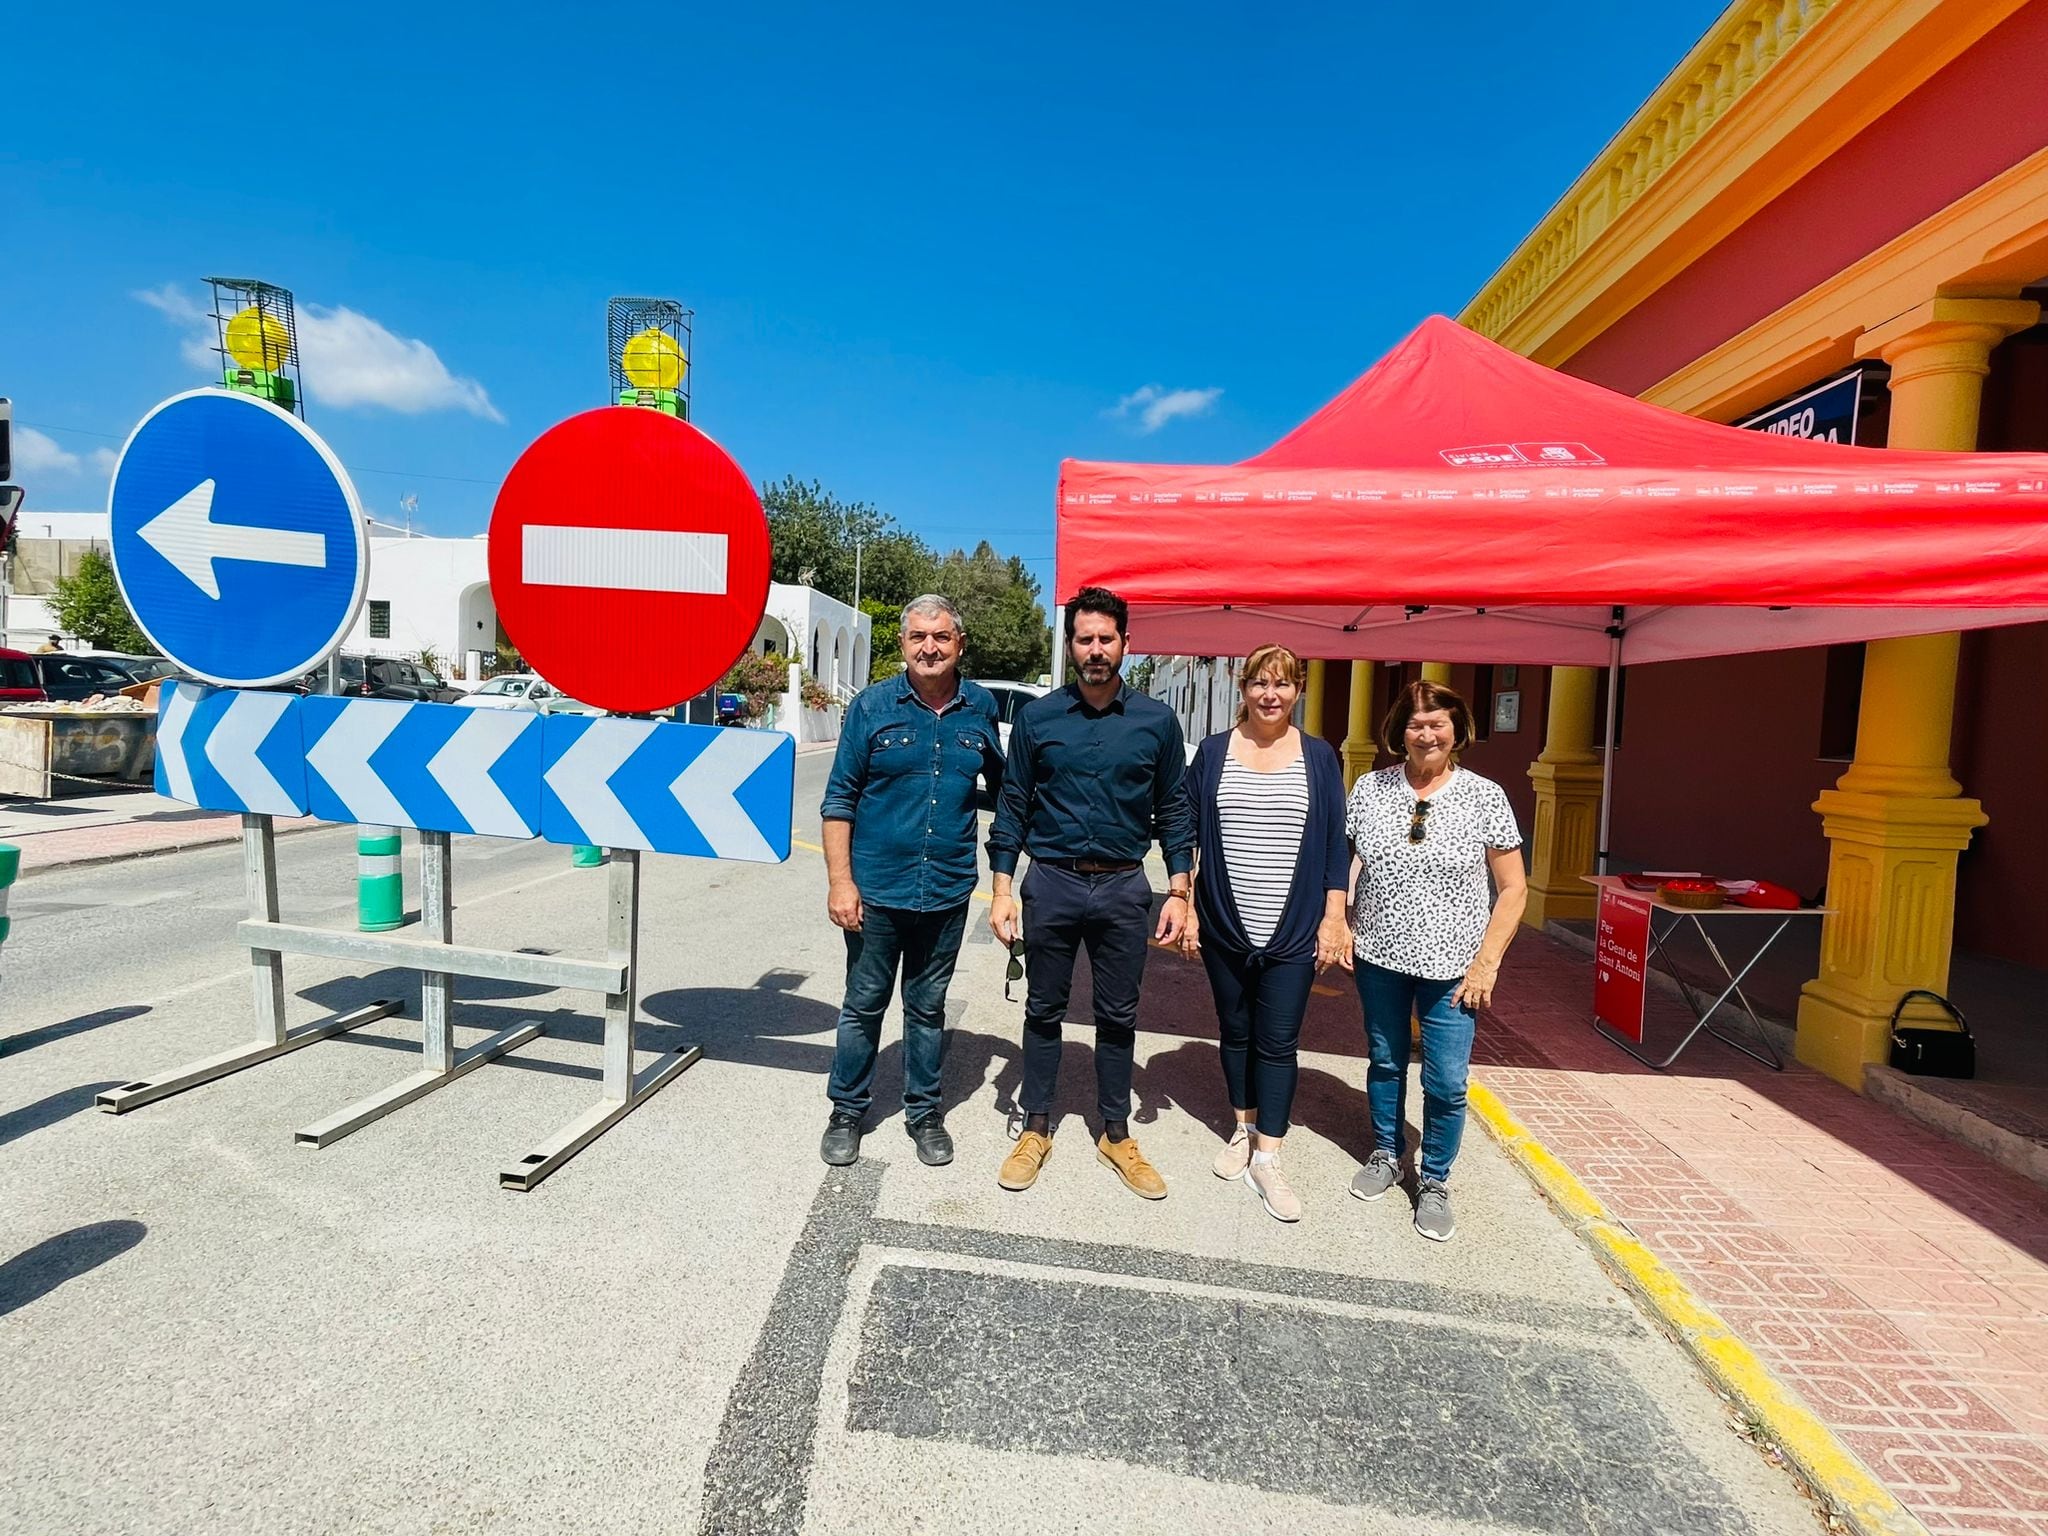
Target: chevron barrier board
702 790
438 767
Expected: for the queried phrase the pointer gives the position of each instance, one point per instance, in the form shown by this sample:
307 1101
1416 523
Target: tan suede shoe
1020 1168
1138 1175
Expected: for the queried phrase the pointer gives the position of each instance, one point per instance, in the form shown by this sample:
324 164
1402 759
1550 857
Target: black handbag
1930 1052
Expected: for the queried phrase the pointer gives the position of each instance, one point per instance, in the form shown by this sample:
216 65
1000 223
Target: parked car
1010 698
20 680
69 675
510 690
379 677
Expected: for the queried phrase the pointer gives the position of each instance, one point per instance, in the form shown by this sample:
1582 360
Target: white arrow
185 534
706 788
463 770
243 725
170 744
579 777
342 758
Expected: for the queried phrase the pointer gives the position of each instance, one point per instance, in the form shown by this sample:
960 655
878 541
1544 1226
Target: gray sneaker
1433 1211
1382 1171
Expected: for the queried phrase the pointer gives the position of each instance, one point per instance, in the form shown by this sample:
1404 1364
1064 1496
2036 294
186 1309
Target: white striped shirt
1261 817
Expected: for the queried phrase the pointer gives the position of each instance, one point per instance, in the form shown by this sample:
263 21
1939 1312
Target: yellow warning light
652 360
257 340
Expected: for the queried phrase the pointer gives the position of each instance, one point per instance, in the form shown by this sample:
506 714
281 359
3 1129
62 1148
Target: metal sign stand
438 960
623 1091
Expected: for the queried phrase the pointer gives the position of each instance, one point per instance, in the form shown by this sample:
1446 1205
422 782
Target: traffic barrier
380 880
10 866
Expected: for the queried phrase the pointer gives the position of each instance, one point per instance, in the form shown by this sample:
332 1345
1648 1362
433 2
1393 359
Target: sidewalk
120 824
1894 1278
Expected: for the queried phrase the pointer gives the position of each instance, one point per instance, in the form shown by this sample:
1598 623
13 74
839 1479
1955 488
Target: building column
1567 778
1312 701
1359 746
1897 819
1438 672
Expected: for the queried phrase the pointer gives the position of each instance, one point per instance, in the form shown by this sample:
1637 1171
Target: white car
510 690
1010 698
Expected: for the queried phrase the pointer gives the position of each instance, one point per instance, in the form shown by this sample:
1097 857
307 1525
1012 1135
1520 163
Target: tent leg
1059 646
1607 755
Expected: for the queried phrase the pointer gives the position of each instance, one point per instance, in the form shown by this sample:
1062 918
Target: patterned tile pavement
1897 1280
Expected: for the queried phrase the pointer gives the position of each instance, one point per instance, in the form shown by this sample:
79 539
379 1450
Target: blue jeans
1389 999
926 945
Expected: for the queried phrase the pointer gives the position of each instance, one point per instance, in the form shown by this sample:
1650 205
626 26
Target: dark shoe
934 1145
841 1144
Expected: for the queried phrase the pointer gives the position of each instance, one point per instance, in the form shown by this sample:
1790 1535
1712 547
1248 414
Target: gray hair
932 602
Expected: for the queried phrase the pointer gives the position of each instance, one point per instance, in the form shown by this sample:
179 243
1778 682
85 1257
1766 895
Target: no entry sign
629 559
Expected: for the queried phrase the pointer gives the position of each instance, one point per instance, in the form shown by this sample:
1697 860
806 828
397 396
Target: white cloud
37 453
350 360
176 306
103 460
1153 406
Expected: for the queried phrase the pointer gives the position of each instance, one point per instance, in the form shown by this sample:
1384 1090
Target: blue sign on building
1824 414
238 540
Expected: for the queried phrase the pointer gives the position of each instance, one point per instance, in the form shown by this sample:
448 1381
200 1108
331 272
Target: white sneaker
1281 1203
1236 1154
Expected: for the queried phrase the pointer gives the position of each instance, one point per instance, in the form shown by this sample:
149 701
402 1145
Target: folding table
1776 919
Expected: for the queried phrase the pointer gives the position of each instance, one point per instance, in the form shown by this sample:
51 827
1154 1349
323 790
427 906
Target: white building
1200 690
434 595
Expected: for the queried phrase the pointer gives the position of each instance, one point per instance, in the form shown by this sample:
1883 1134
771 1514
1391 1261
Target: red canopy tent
1461 503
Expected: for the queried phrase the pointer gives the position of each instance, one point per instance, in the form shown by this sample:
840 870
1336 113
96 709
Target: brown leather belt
1094 866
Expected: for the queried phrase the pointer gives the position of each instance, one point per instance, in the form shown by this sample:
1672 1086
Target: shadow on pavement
17 1123
41 1269
29 1039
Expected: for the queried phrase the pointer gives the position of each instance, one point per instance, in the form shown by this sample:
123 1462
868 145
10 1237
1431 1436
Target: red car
21 681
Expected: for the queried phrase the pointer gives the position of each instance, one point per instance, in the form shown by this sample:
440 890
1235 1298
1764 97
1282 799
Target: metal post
1059 646
1607 756
259 877
440 1063
437 988
622 947
624 1090
259 870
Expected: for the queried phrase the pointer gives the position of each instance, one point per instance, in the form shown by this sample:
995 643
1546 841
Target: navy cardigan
1324 864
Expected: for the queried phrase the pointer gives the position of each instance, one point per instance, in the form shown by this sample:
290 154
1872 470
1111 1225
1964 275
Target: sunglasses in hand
1014 971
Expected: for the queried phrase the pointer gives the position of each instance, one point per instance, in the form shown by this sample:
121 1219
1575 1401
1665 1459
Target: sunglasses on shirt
1418 823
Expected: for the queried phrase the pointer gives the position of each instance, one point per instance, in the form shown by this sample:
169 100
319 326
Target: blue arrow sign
227 750
696 789
238 540
438 767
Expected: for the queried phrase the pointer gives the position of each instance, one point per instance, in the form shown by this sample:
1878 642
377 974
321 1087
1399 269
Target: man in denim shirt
899 849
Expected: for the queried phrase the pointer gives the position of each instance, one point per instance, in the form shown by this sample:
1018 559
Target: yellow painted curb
1833 1471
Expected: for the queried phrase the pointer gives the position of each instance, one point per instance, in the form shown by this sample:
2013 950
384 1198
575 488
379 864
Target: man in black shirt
1093 778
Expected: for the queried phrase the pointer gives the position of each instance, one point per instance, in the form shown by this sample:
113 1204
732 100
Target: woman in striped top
1270 869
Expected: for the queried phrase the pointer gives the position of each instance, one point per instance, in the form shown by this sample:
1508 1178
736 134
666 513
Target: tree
813 534
998 602
88 604
885 654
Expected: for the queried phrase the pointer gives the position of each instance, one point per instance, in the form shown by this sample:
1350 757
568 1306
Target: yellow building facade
1823 185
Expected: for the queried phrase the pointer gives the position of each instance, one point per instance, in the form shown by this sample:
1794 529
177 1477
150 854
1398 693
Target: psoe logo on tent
1557 453
1482 456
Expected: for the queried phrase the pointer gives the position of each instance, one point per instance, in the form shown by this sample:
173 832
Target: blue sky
932 250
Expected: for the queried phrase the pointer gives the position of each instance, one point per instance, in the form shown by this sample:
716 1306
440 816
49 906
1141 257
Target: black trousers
1259 1008
1111 917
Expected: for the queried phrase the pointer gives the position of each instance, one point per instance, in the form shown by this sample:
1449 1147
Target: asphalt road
695 1325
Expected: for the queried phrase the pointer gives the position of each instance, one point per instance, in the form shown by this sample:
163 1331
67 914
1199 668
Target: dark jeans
1111 917
1259 1006
1389 999
926 945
